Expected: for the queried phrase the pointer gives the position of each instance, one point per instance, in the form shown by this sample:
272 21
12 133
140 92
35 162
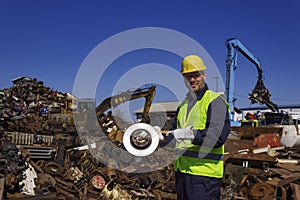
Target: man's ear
204 75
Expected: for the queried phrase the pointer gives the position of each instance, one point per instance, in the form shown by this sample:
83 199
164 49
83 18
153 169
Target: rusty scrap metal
262 191
265 175
98 182
1 187
38 152
37 129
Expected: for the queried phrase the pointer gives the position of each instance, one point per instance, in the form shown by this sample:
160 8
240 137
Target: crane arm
260 93
114 101
236 44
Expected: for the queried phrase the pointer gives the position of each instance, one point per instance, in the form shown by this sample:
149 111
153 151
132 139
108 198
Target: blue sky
49 40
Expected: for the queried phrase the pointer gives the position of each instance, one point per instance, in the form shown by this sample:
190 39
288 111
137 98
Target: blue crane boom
260 93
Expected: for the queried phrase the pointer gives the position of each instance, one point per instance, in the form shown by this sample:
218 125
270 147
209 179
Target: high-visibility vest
196 159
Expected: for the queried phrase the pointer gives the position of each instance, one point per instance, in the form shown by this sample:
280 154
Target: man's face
195 81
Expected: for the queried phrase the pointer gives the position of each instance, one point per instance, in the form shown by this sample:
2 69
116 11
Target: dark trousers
190 187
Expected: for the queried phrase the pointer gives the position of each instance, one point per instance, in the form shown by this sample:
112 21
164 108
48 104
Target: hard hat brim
191 71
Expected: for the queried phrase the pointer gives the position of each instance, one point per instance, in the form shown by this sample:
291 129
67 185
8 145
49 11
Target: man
201 128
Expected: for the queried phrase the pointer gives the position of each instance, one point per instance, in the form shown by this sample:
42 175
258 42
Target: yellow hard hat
192 63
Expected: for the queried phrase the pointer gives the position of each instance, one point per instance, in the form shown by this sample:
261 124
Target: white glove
181 134
160 135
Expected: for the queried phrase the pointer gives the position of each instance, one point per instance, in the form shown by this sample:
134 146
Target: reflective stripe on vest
195 159
193 154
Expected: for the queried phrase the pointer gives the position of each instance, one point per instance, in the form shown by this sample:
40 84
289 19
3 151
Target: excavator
148 92
136 137
260 94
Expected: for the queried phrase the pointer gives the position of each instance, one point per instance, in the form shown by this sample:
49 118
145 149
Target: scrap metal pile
39 158
258 166
41 155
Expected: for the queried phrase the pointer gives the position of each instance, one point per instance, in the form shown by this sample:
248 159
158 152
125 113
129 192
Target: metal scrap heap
259 166
40 158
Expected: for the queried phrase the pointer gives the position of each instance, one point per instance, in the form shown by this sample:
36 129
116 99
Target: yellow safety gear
192 63
196 159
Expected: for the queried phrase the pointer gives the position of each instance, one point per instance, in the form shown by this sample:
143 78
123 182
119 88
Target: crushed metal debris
42 156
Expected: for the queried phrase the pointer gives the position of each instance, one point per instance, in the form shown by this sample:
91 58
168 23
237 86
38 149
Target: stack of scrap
25 106
40 156
258 166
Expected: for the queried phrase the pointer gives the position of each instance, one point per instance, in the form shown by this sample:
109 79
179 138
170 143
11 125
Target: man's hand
181 134
144 133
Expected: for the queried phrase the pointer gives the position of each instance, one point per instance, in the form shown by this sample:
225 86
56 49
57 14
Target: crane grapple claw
260 94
